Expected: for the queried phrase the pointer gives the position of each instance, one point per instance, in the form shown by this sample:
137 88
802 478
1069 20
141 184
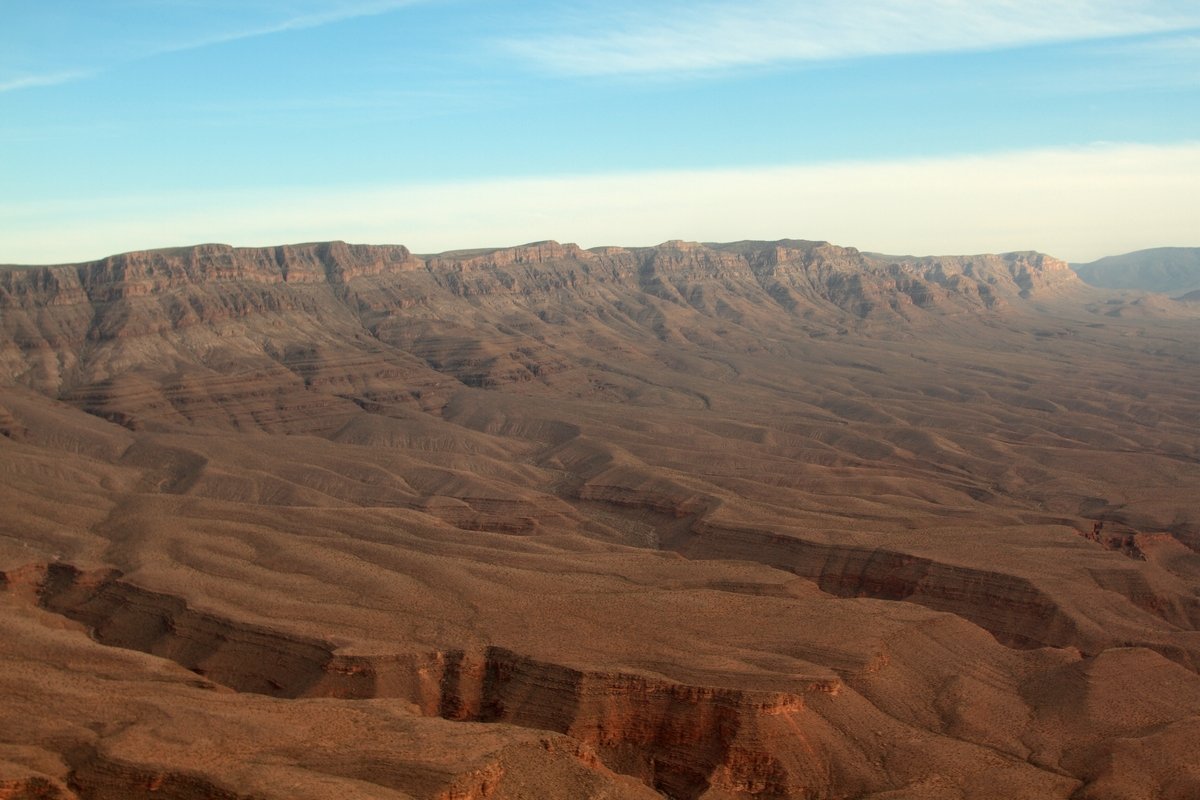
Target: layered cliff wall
56 318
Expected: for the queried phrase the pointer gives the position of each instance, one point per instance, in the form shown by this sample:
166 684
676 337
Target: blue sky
1071 127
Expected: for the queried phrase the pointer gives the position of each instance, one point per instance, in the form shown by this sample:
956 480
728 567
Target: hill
1169 270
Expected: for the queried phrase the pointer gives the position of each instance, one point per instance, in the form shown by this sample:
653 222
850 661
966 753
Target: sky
899 126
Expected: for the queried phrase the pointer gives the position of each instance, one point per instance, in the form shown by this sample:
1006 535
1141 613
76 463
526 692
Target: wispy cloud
299 22
674 36
195 26
1076 203
1160 62
34 81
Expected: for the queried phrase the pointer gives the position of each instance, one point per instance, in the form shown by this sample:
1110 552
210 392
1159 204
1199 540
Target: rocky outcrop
677 738
682 739
674 737
96 776
1012 609
1017 611
33 788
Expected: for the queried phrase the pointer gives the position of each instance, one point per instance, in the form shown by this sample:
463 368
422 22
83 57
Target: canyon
694 521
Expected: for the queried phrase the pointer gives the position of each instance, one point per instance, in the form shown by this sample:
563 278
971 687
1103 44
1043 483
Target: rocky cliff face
56 318
229 336
683 740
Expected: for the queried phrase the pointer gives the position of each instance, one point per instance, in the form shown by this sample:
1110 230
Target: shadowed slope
1171 270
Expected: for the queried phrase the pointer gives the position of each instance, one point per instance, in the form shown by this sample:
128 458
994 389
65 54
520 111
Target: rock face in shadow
704 521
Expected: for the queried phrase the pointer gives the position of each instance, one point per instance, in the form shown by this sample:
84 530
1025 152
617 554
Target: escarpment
72 309
707 521
681 739
1015 609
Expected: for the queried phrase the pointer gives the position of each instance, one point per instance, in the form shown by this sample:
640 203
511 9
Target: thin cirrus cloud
316 18
1076 203
1165 62
33 81
677 37
142 37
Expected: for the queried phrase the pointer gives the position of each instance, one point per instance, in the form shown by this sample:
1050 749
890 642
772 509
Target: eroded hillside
769 520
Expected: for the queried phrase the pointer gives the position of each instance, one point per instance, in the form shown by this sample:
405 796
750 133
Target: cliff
61 322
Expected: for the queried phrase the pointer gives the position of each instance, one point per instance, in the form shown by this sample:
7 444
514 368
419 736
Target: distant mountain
173 295
1171 270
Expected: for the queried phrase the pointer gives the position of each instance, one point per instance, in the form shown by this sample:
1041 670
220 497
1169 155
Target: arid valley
694 521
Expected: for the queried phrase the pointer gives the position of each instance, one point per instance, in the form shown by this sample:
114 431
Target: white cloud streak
1078 204
34 81
299 22
326 13
681 37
